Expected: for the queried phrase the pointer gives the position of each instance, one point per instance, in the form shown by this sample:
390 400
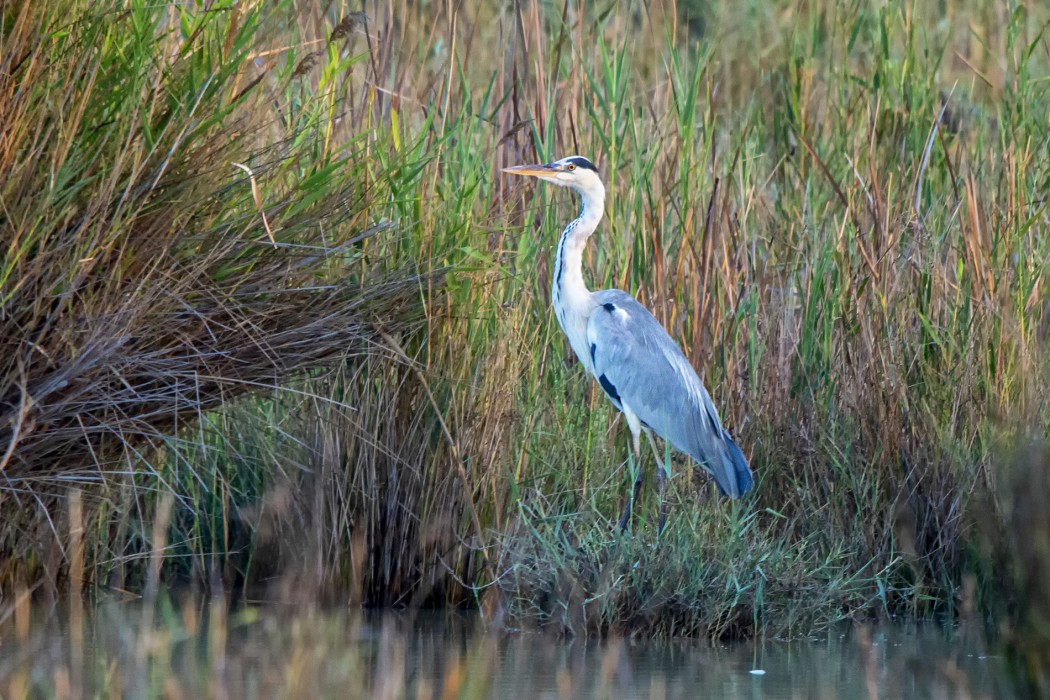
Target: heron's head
574 171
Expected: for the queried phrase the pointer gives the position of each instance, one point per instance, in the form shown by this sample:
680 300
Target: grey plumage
653 378
637 364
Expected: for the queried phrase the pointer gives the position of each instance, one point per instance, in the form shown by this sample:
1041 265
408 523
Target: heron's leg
662 473
638 469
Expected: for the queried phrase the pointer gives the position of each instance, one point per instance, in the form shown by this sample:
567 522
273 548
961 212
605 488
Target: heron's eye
572 166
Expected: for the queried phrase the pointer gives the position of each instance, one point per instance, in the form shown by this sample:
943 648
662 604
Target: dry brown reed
140 286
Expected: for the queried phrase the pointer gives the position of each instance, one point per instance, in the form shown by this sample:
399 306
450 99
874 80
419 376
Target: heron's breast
573 323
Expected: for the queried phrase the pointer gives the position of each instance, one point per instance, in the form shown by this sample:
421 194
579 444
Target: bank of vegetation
273 321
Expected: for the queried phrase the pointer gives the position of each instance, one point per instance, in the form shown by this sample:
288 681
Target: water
196 650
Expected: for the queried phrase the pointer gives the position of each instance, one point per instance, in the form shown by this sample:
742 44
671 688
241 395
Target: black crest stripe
581 162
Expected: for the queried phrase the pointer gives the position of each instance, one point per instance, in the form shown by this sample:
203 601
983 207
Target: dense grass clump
167 248
837 209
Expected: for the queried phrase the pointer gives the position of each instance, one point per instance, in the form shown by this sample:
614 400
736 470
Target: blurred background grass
333 374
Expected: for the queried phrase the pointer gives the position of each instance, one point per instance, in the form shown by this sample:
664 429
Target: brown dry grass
148 281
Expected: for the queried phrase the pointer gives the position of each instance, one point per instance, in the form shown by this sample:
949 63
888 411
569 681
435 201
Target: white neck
569 294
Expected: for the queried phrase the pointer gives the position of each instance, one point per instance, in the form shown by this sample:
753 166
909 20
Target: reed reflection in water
195 649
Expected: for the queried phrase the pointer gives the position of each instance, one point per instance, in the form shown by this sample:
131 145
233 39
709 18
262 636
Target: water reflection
196 650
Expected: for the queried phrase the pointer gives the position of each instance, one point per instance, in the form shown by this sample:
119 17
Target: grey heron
641 369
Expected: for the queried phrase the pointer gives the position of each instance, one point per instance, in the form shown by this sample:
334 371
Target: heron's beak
532 170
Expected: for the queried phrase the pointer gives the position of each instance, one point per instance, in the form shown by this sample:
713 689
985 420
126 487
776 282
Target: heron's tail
734 478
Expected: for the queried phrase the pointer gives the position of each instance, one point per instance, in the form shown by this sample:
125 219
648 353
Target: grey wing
640 366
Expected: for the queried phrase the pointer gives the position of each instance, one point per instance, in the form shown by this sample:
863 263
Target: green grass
837 210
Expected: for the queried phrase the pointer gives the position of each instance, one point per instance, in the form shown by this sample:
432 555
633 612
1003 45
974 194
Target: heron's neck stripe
559 261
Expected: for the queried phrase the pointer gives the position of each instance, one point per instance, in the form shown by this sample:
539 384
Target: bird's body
638 365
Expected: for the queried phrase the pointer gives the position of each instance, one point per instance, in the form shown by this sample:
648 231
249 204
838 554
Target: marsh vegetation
272 323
